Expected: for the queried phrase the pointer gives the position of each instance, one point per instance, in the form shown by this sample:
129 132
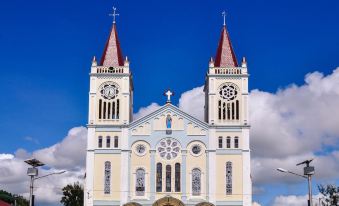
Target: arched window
100 141
228 178
116 142
168 178
140 182
177 177
220 143
100 108
107 186
236 142
108 142
228 142
159 177
196 181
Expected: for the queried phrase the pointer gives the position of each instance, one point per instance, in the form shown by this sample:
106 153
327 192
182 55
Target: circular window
109 90
168 148
140 149
228 91
196 149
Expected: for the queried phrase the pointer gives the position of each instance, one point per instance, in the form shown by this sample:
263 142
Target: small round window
140 149
196 149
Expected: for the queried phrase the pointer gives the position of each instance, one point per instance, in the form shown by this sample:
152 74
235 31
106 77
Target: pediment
180 121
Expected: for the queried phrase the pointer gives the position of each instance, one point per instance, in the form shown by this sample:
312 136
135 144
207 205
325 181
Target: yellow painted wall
99 169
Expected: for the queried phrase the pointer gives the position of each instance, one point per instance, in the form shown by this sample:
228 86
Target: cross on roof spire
168 94
114 14
224 15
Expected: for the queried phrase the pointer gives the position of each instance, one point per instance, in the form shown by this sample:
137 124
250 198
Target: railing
109 70
229 71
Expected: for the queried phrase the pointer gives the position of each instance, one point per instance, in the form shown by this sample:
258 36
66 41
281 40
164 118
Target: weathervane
114 14
224 15
168 93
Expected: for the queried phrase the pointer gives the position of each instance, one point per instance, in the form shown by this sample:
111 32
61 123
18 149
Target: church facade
168 157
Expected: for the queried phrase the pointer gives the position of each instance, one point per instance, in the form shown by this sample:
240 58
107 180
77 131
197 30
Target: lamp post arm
54 173
297 174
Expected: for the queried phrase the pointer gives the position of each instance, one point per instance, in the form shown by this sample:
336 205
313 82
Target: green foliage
331 192
73 195
10 198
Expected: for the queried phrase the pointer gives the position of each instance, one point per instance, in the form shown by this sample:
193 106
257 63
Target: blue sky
46 49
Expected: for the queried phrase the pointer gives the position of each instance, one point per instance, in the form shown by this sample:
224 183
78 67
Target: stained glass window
107 186
177 177
168 178
196 181
140 182
228 178
159 177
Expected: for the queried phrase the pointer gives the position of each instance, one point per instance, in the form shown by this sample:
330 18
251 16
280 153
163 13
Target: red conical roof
225 56
112 55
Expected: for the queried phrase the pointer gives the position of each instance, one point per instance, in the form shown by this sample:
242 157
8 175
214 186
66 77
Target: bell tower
111 86
226 86
226 112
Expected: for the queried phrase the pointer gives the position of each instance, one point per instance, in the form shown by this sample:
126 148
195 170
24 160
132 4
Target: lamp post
33 173
308 172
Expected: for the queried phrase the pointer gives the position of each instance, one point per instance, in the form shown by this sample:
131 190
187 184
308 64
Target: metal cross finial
114 14
224 15
168 94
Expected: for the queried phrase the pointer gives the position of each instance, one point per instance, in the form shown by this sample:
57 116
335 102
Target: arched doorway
168 201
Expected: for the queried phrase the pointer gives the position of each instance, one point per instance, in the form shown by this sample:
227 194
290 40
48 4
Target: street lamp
308 172
33 173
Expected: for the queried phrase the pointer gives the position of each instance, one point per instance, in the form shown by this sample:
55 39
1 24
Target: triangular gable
164 109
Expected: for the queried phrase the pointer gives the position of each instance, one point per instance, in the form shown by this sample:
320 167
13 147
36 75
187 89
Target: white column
89 167
247 181
125 163
212 166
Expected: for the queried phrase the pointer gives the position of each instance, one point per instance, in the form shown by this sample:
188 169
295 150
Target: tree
12 198
331 193
73 195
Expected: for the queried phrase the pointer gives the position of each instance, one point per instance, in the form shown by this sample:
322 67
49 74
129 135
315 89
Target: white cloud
143 111
193 101
293 200
69 155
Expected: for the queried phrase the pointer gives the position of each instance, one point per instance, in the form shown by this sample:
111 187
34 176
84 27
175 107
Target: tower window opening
107 186
100 142
237 109
108 142
224 110
228 142
236 142
109 110
113 112
228 111
104 112
118 108
219 109
233 111
100 108
220 142
116 142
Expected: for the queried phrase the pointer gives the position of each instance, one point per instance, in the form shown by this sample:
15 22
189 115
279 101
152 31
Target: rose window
109 90
168 148
228 91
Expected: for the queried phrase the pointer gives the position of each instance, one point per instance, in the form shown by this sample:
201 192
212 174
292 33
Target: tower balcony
227 71
110 70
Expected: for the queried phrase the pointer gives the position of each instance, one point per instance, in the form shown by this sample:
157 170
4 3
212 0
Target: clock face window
228 92
109 91
140 149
